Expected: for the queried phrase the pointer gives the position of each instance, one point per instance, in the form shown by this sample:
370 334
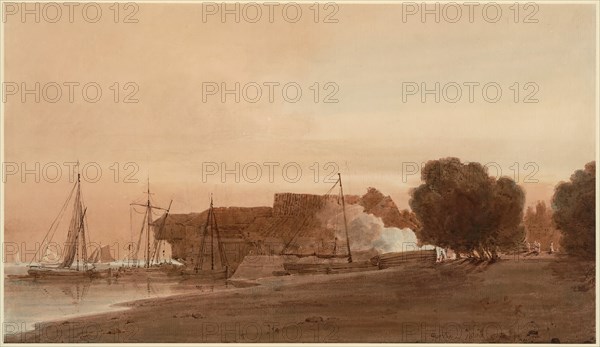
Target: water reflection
77 291
28 301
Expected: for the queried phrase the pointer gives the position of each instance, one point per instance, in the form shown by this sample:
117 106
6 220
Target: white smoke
367 232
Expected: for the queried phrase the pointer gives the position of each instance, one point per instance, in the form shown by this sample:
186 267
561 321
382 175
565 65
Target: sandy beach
525 300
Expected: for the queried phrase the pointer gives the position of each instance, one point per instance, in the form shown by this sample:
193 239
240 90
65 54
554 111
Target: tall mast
77 210
157 243
345 220
212 236
148 229
147 224
80 231
200 260
222 254
83 211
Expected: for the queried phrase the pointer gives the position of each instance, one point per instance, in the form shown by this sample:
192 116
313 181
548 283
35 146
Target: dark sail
101 255
76 234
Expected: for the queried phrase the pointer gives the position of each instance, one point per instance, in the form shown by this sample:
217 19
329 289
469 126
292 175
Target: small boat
47 271
75 251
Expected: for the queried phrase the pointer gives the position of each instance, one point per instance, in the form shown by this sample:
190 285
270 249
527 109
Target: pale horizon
369 133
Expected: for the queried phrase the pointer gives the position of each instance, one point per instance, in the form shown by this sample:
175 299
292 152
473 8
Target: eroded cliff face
384 207
292 224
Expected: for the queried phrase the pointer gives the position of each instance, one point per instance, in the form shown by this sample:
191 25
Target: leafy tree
460 206
574 205
540 226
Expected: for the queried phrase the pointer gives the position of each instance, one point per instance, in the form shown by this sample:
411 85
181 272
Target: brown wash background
369 133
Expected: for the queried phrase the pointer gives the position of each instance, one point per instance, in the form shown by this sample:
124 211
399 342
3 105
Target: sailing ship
220 269
151 257
75 251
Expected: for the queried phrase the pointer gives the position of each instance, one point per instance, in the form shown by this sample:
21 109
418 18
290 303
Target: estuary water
28 301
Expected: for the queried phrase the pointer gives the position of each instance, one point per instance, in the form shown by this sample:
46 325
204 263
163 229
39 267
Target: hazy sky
368 133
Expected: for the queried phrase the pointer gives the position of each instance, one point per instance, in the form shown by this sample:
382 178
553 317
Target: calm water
28 301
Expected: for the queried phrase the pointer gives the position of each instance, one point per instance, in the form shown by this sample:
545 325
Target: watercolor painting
299 172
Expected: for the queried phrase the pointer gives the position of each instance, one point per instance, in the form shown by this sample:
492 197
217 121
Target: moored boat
46 271
218 269
75 251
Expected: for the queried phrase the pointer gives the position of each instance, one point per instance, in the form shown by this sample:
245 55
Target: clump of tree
462 207
574 205
539 225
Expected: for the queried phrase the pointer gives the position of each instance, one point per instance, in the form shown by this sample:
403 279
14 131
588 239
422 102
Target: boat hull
47 272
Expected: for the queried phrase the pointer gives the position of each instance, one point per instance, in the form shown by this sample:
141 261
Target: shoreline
374 306
28 325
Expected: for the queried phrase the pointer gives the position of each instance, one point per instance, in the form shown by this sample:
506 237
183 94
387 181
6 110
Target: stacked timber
399 258
290 204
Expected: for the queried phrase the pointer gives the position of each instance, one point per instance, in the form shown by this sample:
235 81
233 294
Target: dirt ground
537 300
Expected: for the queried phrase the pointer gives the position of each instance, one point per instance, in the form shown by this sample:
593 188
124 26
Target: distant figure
551 247
440 254
528 246
536 247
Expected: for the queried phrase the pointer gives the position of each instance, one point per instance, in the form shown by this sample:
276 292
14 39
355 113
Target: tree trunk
482 253
495 255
